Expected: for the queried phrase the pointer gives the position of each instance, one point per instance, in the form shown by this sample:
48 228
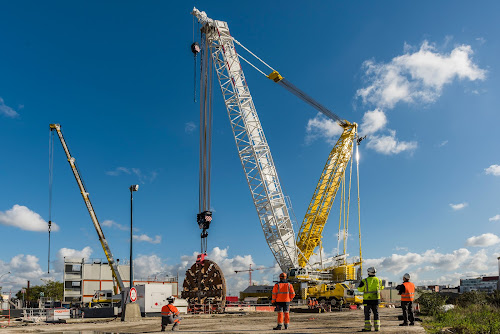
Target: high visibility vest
169 309
409 293
283 292
371 288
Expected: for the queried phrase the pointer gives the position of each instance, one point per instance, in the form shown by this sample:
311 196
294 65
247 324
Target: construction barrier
264 308
5 318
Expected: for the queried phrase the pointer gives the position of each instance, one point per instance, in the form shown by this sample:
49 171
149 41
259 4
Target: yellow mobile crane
88 204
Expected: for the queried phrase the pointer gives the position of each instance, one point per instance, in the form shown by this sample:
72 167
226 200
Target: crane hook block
200 258
195 48
204 219
275 76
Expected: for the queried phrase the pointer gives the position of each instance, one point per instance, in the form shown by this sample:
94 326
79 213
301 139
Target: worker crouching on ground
283 294
170 315
371 287
407 292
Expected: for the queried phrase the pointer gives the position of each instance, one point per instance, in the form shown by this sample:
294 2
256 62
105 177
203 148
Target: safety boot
277 328
286 326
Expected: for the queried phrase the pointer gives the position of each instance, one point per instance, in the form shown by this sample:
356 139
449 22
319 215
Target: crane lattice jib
86 199
317 213
251 143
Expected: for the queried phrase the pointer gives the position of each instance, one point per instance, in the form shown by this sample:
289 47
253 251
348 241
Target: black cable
51 168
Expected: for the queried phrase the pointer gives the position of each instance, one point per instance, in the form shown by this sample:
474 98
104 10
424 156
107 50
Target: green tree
51 289
431 302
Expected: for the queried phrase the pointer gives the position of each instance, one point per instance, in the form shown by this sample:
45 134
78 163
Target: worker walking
283 294
170 315
371 287
407 292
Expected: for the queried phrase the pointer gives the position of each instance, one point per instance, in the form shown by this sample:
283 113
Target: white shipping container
152 297
57 314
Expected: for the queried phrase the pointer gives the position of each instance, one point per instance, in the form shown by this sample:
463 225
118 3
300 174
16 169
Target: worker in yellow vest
283 294
371 287
407 292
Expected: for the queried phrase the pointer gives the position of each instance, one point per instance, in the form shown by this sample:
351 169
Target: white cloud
146 266
481 40
443 143
25 219
342 234
189 127
146 238
320 127
484 240
458 206
143 177
6 110
433 267
25 267
418 76
76 254
494 218
389 144
373 121
493 170
113 224
450 261
119 171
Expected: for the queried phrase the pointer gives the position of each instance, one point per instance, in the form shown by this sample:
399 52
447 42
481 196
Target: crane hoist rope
204 217
104 243
51 174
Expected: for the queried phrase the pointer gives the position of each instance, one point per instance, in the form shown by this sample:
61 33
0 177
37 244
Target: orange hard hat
283 275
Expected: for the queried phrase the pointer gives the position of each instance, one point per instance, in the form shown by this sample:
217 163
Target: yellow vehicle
337 293
104 298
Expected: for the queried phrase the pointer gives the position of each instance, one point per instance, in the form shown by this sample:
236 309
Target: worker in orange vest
310 303
283 294
170 315
407 292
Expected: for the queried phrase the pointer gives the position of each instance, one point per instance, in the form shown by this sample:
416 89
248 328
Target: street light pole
132 188
4 274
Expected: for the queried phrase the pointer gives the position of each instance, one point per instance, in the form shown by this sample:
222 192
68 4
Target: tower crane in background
249 270
274 214
104 243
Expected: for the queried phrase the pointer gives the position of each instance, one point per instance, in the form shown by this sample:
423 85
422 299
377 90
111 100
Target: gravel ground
348 321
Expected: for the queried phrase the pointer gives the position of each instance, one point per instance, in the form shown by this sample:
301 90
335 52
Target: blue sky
421 80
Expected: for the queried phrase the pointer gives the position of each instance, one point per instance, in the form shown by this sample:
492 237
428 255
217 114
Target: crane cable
291 87
51 170
206 79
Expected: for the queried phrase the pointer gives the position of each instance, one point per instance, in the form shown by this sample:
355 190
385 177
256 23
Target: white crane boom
251 143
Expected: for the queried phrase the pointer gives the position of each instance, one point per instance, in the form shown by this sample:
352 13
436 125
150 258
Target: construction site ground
347 321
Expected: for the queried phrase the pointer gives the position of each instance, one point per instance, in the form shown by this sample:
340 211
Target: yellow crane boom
310 232
88 204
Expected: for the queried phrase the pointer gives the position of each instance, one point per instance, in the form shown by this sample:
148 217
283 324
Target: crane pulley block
275 76
204 219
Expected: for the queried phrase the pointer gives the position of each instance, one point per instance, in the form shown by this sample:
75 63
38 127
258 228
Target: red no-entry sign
133 294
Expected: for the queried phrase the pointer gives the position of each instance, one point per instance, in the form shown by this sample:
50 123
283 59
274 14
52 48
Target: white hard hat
171 299
372 271
406 276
